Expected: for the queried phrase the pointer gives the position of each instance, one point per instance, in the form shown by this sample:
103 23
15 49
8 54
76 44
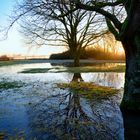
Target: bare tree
42 24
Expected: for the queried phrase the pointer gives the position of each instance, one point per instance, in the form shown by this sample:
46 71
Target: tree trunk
131 43
75 55
131 99
76 59
77 77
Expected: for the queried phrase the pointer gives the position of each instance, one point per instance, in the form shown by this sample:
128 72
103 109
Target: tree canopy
42 23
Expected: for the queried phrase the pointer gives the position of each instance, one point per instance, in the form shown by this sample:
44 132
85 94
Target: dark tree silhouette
126 30
41 24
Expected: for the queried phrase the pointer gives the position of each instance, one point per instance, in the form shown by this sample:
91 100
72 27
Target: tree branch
112 29
104 4
110 16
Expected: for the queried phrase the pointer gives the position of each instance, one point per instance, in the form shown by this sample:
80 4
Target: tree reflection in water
66 115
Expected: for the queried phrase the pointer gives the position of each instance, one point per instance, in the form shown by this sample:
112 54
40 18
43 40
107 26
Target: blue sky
6 7
15 44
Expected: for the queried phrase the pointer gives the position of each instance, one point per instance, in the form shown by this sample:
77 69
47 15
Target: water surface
43 111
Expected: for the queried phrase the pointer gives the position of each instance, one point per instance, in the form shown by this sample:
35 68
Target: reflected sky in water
43 111
111 79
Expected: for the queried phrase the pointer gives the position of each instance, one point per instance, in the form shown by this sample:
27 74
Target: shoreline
30 61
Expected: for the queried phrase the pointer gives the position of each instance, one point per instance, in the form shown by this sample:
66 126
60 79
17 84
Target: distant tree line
5 58
92 53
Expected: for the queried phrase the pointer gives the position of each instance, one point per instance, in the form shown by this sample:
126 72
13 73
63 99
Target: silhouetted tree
41 24
127 30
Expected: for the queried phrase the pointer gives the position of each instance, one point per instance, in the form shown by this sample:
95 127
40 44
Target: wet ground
39 110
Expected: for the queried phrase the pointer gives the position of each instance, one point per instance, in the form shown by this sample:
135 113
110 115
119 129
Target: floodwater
41 111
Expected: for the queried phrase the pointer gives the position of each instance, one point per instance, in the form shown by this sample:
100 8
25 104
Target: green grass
6 63
10 85
15 62
119 68
89 90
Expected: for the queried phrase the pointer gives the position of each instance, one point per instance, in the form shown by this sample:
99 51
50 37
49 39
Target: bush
4 58
66 55
94 53
63 55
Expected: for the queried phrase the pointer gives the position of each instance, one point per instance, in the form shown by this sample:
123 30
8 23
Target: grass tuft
89 90
10 85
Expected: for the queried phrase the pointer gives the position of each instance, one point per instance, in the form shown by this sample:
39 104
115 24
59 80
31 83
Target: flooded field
40 110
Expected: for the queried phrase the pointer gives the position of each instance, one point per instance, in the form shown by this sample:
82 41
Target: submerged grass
10 85
89 90
4 136
16 62
119 68
6 63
